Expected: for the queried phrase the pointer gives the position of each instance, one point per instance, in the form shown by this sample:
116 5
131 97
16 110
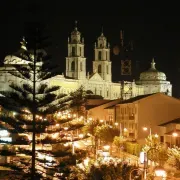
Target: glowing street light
145 129
116 123
106 147
159 172
65 128
174 134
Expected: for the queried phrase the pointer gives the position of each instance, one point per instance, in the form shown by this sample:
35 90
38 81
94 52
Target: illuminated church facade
100 81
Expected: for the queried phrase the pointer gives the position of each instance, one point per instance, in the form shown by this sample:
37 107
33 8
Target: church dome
152 74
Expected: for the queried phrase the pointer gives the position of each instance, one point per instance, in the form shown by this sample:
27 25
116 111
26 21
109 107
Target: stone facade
99 82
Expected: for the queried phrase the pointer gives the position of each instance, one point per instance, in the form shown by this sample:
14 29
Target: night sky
154 35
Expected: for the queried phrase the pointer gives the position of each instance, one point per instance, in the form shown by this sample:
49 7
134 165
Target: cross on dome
153 64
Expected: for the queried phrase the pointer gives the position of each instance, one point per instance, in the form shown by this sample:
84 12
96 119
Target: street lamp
150 131
116 124
146 158
175 134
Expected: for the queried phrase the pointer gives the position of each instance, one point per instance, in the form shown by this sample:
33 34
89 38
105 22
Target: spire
75 28
102 33
153 64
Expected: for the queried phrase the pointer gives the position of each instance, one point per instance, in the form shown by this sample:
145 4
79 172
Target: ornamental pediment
95 77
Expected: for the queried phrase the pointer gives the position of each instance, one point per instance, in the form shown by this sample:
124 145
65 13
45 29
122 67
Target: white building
154 81
100 81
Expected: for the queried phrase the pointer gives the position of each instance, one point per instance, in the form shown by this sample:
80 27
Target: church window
73 51
107 69
81 68
80 51
107 93
99 69
73 66
99 55
95 91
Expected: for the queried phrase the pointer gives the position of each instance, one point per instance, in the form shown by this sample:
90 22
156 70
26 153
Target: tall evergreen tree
28 105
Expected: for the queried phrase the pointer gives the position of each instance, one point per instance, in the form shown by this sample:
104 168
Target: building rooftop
174 121
131 100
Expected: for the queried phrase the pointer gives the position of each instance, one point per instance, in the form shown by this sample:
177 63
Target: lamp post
116 124
175 134
146 158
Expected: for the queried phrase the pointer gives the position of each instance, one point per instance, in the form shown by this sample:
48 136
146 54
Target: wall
100 112
155 110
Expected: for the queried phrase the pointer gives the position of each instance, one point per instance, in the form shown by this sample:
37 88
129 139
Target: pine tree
27 107
71 147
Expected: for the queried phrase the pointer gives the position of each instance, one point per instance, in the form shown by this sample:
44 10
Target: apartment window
162 139
131 116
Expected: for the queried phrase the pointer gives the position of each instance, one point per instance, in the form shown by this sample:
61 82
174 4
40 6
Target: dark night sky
153 34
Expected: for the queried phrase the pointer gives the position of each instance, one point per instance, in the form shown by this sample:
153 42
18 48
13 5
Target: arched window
99 55
81 68
79 51
73 51
107 93
99 69
73 66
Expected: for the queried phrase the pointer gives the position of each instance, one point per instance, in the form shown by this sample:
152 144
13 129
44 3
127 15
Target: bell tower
75 61
102 63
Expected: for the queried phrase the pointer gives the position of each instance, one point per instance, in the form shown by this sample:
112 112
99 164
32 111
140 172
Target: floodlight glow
4 133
